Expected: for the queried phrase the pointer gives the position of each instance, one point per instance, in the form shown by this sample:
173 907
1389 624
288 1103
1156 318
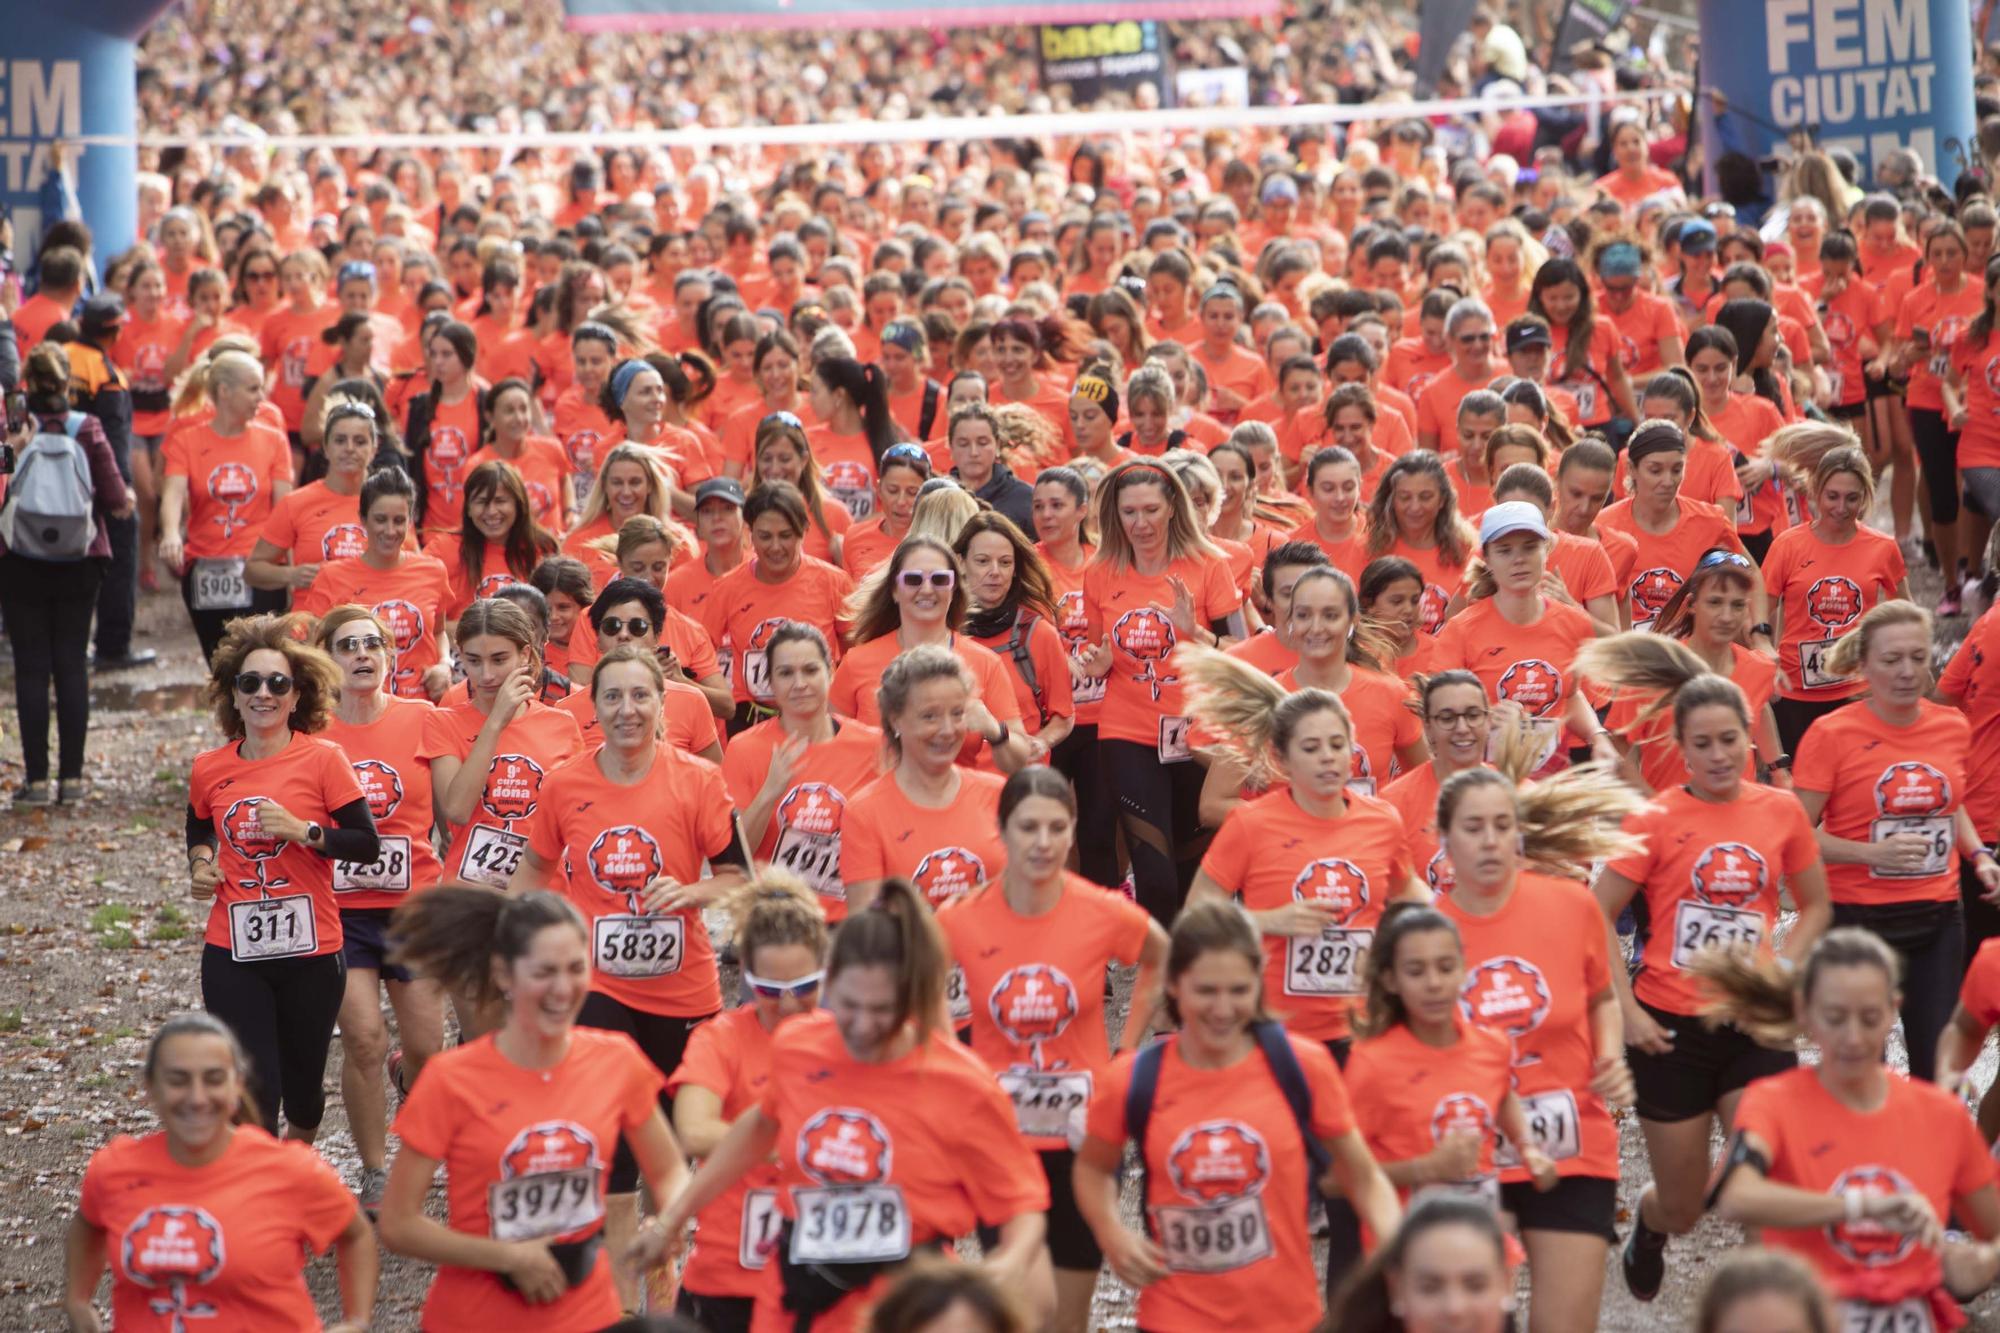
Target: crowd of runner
1403 612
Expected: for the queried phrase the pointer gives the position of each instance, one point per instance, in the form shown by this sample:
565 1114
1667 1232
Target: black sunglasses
277 682
638 626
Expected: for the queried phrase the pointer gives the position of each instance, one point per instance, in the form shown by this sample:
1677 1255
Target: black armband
1741 1154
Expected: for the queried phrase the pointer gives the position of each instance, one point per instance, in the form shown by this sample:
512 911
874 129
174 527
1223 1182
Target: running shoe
1644 1260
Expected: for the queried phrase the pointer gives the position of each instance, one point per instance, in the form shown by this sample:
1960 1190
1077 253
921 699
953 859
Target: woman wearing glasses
379 734
1468 336
781 938
631 823
268 813
1457 722
920 599
903 471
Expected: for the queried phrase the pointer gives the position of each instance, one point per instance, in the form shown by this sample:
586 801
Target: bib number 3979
265 928
1218 1238
850 1224
547 1203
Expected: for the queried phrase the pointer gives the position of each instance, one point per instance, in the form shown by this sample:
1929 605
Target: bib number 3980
265 928
1218 1238
850 1224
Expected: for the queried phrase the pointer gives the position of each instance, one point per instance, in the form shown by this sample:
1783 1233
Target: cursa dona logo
843 1145
1219 1160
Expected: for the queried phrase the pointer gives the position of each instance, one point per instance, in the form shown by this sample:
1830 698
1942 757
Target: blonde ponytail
1251 713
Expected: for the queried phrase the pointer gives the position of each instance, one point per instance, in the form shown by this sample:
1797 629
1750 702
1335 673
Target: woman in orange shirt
406 588
776 366
1712 856
1033 951
637 400
320 522
1230 1163
1457 722
1415 515
1823 576
1335 485
630 482
268 812
1931 320
497 540
1391 592
1448 1269
1433 1092
445 425
890 1138
1584 359
1157 582
1027 370
1013 613
1844 1163
544 469
903 471
290 333
631 825
208 1217
524 1121
782 453
1633 178
794 775
851 400
1540 972
1671 532
222 479
1884 779
929 712
1672 395
781 937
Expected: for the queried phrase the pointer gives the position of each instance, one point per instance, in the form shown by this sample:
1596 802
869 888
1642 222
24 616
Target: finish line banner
668 15
1095 59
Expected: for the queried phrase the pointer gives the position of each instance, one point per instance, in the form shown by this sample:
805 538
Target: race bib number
1906 1316
1700 927
1048 1104
219 584
1586 398
548 1203
1174 747
757 674
1746 513
1085 689
389 872
1218 1238
725 658
1547 732
1835 383
761 1220
1486 1189
850 1224
1328 963
1553 1122
1935 830
1813 674
492 855
637 946
956 996
814 858
860 503
261 928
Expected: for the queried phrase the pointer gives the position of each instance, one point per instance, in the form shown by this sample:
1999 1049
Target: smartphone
17 411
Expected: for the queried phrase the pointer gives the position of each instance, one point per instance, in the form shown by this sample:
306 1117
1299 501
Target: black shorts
1700 1070
1587 1205
716 1314
1072 1247
1848 411
664 1040
365 942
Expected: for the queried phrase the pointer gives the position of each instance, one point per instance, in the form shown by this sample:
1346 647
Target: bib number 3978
850 1224
1218 1238
265 928
1907 1316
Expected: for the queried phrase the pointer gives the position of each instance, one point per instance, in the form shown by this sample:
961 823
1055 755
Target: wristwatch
314 834
1762 627
1782 763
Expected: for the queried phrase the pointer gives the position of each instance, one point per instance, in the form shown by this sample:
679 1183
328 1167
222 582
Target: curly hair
314 676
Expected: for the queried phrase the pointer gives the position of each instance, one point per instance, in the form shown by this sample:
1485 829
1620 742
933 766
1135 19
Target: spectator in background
98 387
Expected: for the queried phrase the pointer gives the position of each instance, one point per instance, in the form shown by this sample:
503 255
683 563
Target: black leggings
283 1011
716 1314
48 605
1937 450
1077 759
1795 716
209 626
1930 939
1161 808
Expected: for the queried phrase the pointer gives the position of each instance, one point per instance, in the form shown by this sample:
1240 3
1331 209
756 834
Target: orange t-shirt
745 612
231 485
1223 1150
222 1242
1034 989
1921 1140
1437 411
1746 421
689 586
1882 780
525 1154
1442 577
1855 312
1967 678
1234 368
1532 970
1049 698
1979 370
1945 318
686 721
1411 365
583 431
544 471
1051 400
1823 589
613 840
1591 389
141 351
397 786
1142 693
314 525
804 831
681 634
931 1133
1640 328
487 848
287 343
846 468
1661 762
730 1056
1408 1095
1529 664
494 573
410 600
1710 874
1979 994
447 459
580 543
1378 705
739 430
1415 797
1663 562
1711 466
311 779
1265 651
1583 565
957 849
1072 625
865 546
1350 557
1270 853
853 692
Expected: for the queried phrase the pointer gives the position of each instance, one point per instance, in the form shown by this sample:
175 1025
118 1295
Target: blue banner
736 15
1866 75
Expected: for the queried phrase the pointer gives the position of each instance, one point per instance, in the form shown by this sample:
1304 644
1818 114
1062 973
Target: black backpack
927 414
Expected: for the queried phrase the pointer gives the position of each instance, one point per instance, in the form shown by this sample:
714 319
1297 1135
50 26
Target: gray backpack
51 507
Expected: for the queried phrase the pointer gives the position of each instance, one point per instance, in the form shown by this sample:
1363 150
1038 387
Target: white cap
1512 516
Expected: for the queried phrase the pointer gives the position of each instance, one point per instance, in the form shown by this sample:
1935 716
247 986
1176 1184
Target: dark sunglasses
786 418
1473 339
260 275
638 626
357 643
783 990
916 578
277 682
911 454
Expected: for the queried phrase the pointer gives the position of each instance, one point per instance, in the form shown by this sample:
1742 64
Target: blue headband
1620 259
621 378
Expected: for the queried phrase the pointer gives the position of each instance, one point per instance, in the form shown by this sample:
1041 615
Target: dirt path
99 943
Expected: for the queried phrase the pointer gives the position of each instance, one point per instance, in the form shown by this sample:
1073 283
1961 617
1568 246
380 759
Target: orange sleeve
1227 860
700 722
174 454
90 1197
1957 677
337 784
1816 767
545 838
740 775
1980 993
279 529
437 740
1134 923
1637 865
1596 949
706 1063
321 1205
1105 1121
1045 650
1801 846
1409 727
430 1113
1332 1112
1219 597
1762 1112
